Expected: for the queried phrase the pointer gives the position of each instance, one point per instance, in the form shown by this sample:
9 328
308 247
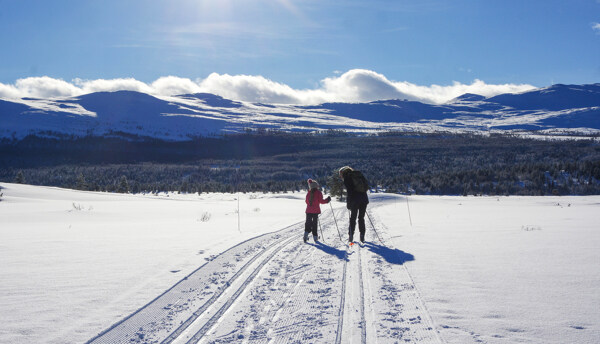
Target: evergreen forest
271 161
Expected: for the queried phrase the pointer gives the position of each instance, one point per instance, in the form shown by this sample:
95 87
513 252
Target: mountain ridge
557 108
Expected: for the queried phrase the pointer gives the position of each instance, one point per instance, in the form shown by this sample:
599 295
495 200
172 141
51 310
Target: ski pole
321 228
374 230
336 225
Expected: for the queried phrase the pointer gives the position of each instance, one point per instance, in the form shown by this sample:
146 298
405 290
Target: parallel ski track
213 320
270 328
255 265
363 323
215 296
338 337
278 303
340 327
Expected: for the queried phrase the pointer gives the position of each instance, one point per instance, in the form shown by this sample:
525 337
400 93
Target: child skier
314 199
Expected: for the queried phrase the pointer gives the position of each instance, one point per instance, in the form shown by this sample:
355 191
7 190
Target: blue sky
299 43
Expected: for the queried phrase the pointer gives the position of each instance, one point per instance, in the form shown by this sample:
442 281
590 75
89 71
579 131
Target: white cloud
250 88
357 85
9 92
172 85
596 27
45 87
111 85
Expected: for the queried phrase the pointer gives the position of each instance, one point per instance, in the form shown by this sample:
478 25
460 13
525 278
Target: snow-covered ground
82 266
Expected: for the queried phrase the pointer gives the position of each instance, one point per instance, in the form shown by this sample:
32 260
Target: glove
328 199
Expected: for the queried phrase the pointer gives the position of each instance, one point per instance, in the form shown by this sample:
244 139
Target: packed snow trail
354 323
201 328
276 289
175 309
397 307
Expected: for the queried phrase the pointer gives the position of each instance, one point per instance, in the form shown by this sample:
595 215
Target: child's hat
312 184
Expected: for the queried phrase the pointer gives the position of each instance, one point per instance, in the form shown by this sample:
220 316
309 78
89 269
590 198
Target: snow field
504 269
80 271
107 268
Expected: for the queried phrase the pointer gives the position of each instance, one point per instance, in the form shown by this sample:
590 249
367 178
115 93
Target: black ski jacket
355 198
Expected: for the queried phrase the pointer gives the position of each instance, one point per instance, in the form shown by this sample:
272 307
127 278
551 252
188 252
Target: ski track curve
295 299
230 299
276 289
165 317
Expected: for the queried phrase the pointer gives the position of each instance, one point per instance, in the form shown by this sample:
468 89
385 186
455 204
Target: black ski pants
312 221
357 211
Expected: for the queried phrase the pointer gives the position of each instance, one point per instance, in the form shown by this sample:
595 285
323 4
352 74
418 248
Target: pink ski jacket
315 207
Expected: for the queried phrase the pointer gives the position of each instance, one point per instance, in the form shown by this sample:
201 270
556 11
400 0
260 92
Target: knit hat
312 184
343 170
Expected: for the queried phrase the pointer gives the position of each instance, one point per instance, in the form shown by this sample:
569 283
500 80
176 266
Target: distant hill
558 108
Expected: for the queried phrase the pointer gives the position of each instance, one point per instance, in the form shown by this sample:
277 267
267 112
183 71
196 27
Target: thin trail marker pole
408 207
237 190
374 230
336 225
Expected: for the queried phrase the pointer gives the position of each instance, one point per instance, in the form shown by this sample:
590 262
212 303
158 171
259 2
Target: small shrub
205 216
81 207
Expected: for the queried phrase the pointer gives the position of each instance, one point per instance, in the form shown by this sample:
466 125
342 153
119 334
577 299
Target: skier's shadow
340 254
391 255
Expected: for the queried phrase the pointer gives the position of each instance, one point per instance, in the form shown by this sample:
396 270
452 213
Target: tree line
436 164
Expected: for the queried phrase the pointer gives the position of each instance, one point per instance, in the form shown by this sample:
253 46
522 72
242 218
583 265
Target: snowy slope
573 107
108 268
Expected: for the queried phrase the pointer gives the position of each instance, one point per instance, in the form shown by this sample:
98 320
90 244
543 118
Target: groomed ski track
276 289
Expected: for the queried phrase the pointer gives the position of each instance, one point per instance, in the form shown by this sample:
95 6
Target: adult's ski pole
374 230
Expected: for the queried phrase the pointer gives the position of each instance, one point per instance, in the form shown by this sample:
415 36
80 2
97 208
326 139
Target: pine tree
335 185
81 183
20 179
123 185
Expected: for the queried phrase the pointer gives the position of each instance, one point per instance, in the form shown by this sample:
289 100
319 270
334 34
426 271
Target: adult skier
357 186
314 199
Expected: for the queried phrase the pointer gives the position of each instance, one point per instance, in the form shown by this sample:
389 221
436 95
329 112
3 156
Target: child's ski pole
321 228
336 225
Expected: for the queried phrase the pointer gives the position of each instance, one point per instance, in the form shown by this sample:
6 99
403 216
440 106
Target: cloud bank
356 85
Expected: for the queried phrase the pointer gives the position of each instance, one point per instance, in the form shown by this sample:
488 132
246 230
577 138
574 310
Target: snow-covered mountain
557 108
